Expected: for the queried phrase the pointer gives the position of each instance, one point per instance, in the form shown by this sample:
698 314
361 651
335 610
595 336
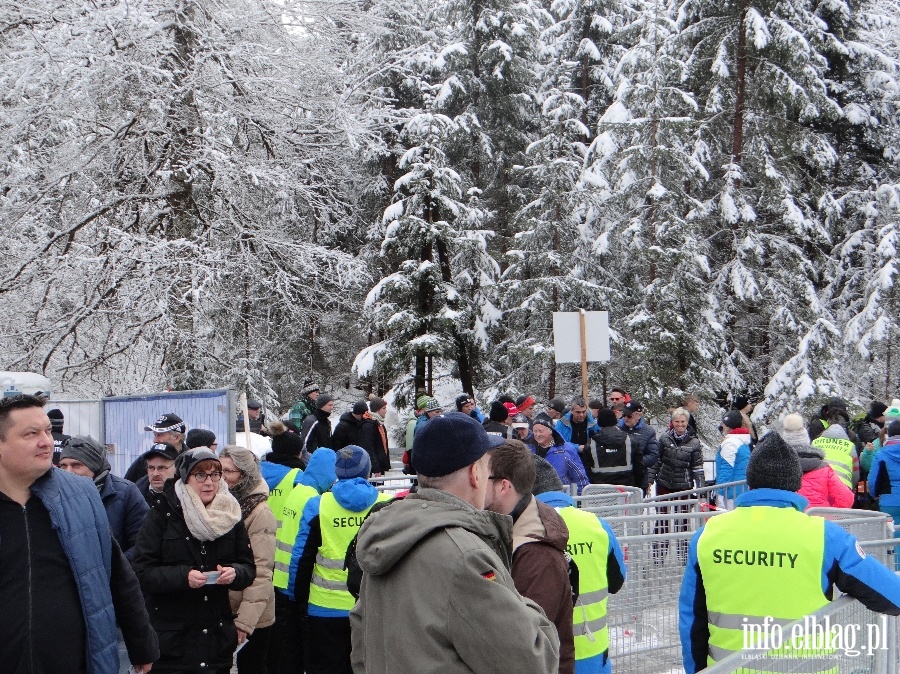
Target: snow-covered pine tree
644 167
763 76
490 81
425 307
395 57
551 262
866 210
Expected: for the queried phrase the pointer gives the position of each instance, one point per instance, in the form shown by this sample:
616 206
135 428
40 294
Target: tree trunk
737 147
462 355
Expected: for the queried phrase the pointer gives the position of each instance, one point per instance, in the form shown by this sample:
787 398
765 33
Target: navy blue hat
450 442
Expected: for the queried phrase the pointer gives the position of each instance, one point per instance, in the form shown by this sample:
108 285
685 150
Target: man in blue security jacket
65 582
286 638
317 577
767 562
601 570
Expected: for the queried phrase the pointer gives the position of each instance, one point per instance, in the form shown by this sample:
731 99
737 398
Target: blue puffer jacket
564 426
77 514
732 458
126 509
884 476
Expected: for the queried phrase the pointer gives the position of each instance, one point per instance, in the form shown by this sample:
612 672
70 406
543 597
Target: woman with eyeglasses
192 549
254 607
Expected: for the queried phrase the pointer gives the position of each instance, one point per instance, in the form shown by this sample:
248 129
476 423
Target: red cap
513 410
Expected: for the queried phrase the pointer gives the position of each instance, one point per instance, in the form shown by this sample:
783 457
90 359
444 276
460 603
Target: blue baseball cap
450 442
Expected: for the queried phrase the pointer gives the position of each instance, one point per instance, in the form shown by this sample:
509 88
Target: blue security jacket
355 494
863 577
273 473
884 475
558 499
615 577
77 514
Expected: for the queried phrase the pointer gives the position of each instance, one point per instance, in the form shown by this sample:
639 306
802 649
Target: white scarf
207 523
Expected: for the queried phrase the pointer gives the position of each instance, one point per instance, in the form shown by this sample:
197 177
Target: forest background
378 193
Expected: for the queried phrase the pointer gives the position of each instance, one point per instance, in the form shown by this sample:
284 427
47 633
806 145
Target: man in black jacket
349 426
611 457
316 431
57 419
61 566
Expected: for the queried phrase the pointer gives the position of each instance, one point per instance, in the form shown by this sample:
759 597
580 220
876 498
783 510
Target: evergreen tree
426 306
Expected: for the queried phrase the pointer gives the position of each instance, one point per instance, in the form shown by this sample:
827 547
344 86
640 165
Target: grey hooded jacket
437 596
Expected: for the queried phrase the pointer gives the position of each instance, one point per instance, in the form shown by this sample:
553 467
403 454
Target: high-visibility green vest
286 535
279 493
339 526
588 545
838 455
761 566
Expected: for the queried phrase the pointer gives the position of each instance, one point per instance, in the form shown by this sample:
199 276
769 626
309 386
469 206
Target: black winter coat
611 457
371 440
316 431
346 432
680 463
195 626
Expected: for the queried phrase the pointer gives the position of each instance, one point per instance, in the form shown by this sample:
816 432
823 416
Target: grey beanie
774 465
88 451
185 463
546 478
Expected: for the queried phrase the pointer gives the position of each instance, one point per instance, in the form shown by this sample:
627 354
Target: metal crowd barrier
393 484
643 616
655 533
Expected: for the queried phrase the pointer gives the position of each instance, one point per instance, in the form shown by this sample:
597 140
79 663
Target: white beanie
793 430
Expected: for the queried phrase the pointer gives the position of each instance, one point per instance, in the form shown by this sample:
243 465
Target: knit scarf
207 523
243 492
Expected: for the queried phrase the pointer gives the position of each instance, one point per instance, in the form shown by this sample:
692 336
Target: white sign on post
567 336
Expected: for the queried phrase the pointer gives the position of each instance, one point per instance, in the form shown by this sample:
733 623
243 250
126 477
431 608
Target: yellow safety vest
838 455
339 526
588 545
286 535
279 493
762 566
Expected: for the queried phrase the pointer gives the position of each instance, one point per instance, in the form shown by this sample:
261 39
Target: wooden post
246 420
584 369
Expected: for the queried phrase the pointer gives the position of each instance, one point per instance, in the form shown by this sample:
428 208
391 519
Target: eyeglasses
228 471
159 469
203 477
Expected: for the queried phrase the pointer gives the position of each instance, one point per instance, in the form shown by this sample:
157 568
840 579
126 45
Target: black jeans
290 653
328 648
